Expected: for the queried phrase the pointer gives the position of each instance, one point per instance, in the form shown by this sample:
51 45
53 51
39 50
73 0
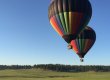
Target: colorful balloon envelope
85 40
69 17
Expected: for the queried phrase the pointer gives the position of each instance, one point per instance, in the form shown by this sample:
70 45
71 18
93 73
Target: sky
27 38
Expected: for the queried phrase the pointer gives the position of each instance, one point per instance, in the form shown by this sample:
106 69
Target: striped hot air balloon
83 43
69 17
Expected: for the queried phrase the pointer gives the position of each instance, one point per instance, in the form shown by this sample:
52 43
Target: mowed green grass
38 74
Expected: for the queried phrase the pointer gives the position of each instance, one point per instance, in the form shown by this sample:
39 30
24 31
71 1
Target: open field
38 74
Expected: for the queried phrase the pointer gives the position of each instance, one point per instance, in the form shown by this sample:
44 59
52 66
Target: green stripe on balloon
66 17
79 40
78 45
60 25
62 21
83 42
70 22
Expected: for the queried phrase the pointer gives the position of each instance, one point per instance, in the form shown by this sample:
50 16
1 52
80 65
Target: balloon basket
69 47
82 60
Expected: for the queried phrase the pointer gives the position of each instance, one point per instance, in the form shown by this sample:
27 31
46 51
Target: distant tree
61 68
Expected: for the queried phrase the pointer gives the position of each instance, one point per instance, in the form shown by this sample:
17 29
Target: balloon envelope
69 17
85 40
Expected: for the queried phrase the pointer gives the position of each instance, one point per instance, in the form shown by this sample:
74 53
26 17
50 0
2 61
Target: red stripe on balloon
56 26
74 46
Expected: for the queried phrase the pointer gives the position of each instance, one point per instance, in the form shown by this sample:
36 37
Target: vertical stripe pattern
85 40
69 16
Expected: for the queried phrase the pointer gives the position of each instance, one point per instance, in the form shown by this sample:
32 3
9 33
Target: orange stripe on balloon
55 26
74 46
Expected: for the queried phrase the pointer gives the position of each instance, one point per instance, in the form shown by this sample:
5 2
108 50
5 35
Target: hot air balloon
69 17
85 40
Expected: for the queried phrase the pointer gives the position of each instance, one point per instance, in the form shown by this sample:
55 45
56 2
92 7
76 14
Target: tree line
60 68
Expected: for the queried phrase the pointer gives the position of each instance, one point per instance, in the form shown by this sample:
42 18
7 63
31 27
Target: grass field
38 74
